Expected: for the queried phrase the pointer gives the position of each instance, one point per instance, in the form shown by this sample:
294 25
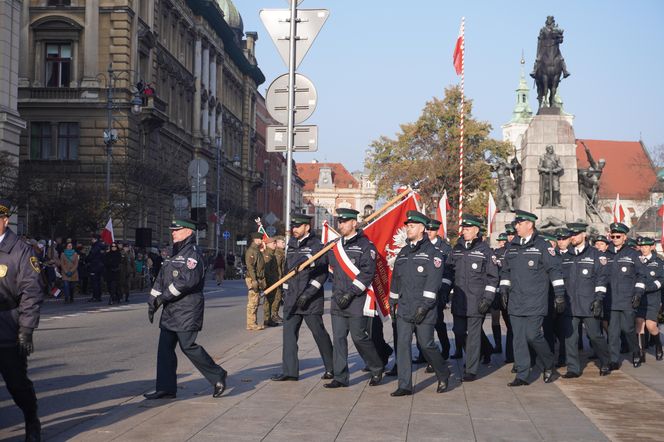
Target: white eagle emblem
191 263
398 241
552 251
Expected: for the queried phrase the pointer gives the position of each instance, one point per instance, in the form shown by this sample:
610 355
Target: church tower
521 115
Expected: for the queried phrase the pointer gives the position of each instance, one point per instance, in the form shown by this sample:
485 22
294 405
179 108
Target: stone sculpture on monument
550 171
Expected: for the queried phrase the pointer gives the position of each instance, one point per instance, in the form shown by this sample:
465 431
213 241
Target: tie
523 241
468 243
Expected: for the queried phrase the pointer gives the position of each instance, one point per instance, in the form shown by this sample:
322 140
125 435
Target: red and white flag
328 233
490 215
457 57
55 292
618 211
660 212
441 215
261 230
107 234
388 235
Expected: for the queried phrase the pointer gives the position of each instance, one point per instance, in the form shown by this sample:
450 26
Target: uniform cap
645 241
548 236
433 224
4 207
413 216
618 228
563 233
297 219
343 213
577 228
502 237
631 242
178 224
522 215
509 229
468 220
602 238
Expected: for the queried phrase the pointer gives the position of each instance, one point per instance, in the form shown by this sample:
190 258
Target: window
68 139
54 141
58 64
59 2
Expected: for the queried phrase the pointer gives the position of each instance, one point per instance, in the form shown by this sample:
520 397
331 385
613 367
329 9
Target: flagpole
463 54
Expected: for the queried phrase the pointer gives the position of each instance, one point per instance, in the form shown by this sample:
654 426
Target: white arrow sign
309 23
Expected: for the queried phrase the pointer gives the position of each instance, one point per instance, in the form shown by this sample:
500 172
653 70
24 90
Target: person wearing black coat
95 261
21 295
179 288
112 260
303 300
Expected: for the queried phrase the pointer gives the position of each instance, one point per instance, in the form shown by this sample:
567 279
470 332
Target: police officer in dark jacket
303 299
179 288
648 309
416 279
627 283
473 273
586 283
530 265
21 295
95 260
353 262
506 238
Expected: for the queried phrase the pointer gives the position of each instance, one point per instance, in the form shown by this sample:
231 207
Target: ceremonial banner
618 211
261 230
441 215
388 234
107 234
457 56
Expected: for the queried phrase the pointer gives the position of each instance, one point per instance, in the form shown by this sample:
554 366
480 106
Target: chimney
250 46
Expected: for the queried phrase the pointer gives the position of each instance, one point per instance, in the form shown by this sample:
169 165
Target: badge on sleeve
34 263
373 254
191 263
552 251
3 270
603 260
437 262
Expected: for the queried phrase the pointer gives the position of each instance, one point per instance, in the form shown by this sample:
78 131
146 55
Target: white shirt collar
525 240
299 241
434 241
646 257
2 237
348 238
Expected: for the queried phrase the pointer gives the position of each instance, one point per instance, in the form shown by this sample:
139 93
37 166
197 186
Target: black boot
659 354
497 339
642 343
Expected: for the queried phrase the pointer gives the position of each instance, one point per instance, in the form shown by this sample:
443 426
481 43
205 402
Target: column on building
197 85
205 86
91 44
213 93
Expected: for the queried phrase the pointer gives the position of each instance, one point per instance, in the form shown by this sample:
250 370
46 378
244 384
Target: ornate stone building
175 80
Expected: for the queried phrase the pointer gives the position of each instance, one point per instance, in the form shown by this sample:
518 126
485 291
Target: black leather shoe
282 377
517 383
469 377
335 384
33 430
327 375
401 392
604 371
375 380
219 387
513 370
636 361
429 369
442 386
366 369
392 371
659 355
560 364
270 323
571 375
547 376
159 395
614 366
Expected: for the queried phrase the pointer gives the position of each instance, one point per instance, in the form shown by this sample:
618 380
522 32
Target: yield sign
309 23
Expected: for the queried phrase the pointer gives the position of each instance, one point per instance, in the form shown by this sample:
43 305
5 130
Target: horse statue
549 64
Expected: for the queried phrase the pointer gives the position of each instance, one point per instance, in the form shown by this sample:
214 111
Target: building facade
119 97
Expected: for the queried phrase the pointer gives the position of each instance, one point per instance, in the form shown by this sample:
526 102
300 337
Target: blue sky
375 64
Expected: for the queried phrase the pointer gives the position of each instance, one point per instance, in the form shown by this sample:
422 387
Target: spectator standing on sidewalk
95 261
82 270
112 261
140 265
219 268
69 260
126 270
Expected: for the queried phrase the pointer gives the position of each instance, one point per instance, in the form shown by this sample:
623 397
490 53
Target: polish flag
660 212
107 234
458 51
618 211
261 230
490 215
441 215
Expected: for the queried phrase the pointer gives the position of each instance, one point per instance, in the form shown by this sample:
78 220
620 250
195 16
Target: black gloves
420 314
344 300
504 296
153 306
25 346
302 300
597 308
483 306
559 304
636 300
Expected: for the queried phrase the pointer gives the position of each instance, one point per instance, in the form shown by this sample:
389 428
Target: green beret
178 224
522 215
645 241
413 216
548 236
468 220
347 213
618 228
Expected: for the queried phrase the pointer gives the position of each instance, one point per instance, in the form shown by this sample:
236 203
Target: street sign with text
305 139
306 97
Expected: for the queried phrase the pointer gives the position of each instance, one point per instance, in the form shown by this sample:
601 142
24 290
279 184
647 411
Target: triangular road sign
277 23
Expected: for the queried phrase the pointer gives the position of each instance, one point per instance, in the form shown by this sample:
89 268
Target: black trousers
95 278
470 328
593 329
14 370
424 335
509 337
167 361
553 328
528 334
359 328
378 338
291 333
622 321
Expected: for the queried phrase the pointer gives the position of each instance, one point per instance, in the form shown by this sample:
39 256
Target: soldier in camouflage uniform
255 279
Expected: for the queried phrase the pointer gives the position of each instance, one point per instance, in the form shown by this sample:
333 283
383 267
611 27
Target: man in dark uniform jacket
506 237
21 295
179 288
472 272
648 309
416 279
530 265
353 262
303 299
586 283
627 278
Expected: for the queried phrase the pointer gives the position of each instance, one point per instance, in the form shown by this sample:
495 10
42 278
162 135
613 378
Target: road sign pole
291 113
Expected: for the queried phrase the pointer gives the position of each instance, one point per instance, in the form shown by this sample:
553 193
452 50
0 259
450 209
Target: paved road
94 362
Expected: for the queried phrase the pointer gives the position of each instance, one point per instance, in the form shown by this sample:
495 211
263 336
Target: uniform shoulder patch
552 251
437 262
373 253
494 260
603 260
191 263
34 263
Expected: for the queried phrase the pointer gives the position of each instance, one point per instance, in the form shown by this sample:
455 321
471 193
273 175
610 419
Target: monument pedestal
552 130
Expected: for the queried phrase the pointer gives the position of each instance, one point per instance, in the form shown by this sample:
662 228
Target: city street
93 363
